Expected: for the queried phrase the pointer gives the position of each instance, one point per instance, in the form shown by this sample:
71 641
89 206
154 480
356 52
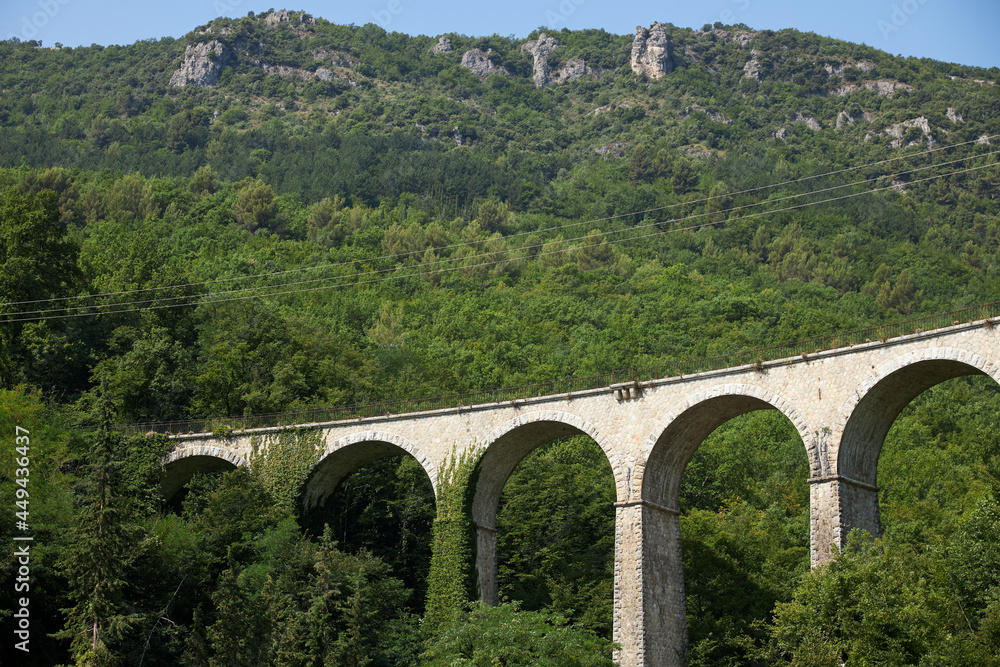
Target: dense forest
344 215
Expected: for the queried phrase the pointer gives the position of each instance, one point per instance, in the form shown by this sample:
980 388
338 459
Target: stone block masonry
841 402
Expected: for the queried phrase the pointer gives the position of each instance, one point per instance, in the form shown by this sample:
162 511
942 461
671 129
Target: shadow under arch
182 464
869 414
649 566
505 448
355 451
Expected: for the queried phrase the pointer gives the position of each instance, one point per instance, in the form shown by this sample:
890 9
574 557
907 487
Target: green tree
255 207
37 262
98 564
483 636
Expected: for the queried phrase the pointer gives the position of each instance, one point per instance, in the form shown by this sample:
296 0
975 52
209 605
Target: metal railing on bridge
753 356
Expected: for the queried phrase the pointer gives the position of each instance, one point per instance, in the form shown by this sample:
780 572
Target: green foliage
882 603
505 635
555 533
297 190
282 462
448 582
385 508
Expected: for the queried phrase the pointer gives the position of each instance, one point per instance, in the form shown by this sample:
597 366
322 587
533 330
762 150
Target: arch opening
724 513
508 447
555 533
940 458
181 465
376 496
874 414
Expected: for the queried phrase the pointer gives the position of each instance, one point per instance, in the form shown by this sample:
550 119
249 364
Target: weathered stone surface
443 45
841 403
883 87
714 115
541 72
478 62
899 129
652 51
810 122
838 70
285 16
203 63
540 49
846 118
954 116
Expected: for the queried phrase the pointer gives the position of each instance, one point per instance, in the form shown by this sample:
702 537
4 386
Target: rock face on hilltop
443 45
478 62
542 73
203 63
652 51
283 15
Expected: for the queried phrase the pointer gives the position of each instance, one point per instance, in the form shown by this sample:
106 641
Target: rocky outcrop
652 51
285 16
478 62
571 70
542 73
899 129
883 87
810 122
443 45
752 69
203 63
336 58
738 37
845 118
838 70
540 49
954 116
714 115
614 149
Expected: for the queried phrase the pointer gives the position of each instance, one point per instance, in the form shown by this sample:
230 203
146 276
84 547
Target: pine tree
98 562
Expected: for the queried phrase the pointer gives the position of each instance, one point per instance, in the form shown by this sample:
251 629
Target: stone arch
344 456
677 436
180 465
504 449
870 411
649 573
508 444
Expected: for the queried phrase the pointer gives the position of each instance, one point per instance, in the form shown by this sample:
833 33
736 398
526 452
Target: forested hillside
277 213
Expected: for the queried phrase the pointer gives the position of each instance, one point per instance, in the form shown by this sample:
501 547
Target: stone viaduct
841 401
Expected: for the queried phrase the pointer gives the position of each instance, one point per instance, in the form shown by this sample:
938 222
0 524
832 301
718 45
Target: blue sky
962 31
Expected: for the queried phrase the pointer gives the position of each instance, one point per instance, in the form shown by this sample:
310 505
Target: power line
519 234
494 262
90 307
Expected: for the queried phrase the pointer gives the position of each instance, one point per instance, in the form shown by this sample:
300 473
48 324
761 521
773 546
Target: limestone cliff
443 45
478 62
203 63
542 73
652 51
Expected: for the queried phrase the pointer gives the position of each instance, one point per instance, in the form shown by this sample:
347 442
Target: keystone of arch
326 475
490 485
869 412
755 394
